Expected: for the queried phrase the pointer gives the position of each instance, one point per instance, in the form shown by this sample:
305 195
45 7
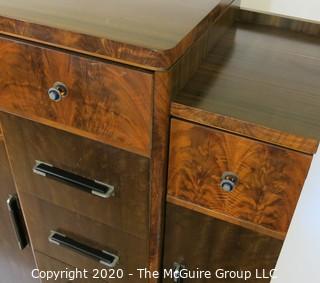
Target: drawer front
43 218
216 246
47 264
107 102
269 178
128 173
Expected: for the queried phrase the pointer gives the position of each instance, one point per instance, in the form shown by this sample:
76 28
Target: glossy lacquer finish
15 265
127 173
270 178
105 102
117 30
261 82
201 242
47 264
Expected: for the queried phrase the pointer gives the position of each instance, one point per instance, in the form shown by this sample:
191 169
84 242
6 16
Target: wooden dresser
157 135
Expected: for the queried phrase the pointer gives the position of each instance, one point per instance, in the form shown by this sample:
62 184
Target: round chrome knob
58 91
229 181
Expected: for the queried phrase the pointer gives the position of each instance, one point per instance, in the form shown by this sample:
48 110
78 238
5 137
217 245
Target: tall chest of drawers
100 103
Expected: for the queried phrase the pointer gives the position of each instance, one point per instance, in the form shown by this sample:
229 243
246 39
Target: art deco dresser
156 135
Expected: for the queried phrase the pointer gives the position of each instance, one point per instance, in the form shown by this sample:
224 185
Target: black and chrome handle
17 221
104 257
177 267
90 186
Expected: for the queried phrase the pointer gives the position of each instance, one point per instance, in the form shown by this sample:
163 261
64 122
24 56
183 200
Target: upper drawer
269 182
105 102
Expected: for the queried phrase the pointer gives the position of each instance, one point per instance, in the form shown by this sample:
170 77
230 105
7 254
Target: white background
300 257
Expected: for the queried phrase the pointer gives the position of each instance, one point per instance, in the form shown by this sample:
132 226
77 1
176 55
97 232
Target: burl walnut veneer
100 101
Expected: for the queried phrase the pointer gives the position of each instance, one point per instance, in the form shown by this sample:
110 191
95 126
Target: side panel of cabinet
200 241
15 265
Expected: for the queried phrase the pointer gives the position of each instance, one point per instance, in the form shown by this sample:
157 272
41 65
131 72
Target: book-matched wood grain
105 102
270 177
153 35
267 78
201 242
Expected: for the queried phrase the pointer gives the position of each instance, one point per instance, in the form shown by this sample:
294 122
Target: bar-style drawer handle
17 221
90 186
105 258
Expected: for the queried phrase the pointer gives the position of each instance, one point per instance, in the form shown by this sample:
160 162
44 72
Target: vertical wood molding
160 136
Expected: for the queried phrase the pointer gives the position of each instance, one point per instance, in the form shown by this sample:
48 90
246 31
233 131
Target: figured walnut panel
106 102
200 241
270 177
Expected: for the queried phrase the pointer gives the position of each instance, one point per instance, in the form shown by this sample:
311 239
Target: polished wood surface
280 22
43 217
270 177
48 264
106 102
15 265
199 241
244 128
127 211
153 34
246 77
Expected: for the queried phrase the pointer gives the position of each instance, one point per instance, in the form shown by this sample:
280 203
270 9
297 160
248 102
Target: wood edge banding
223 217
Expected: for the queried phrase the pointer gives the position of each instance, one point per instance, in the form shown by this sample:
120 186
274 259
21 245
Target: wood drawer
127 210
46 263
43 218
201 242
270 178
105 101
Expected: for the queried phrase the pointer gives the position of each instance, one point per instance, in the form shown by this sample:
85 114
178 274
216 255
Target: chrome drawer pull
58 91
90 186
105 258
229 181
17 221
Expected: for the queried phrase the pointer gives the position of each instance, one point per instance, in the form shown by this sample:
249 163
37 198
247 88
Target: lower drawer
51 270
203 243
43 218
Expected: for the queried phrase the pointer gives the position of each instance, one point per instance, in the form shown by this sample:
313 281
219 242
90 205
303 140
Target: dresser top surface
262 75
156 24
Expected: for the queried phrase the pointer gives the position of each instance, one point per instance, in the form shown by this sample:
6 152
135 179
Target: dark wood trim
227 218
244 128
281 22
107 48
158 174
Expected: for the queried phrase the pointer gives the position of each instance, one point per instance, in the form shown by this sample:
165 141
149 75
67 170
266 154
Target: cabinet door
15 264
199 242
